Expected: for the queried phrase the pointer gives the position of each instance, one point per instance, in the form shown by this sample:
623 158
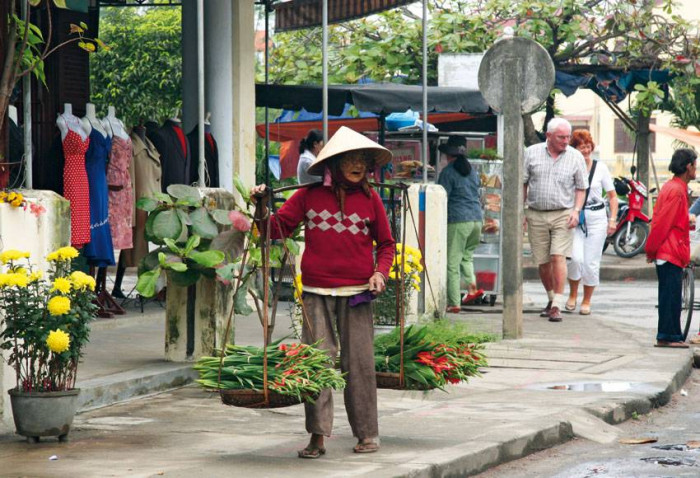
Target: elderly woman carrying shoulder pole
343 216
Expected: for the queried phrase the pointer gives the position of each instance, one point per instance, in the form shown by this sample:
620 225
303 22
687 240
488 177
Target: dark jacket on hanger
174 149
211 155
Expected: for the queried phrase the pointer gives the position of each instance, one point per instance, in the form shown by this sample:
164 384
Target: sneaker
545 311
555 314
453 309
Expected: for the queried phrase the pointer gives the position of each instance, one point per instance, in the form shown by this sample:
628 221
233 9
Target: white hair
556 123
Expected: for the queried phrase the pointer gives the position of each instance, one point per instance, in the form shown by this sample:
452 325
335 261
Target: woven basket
256 399
390 380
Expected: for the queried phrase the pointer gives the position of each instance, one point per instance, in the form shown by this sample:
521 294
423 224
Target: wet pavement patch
587 386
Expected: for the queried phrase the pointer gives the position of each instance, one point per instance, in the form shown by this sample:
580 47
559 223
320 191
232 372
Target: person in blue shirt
464 219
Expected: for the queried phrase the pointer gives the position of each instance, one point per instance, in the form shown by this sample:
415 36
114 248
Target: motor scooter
632 230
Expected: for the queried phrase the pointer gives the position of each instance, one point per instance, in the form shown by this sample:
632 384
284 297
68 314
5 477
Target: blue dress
99 251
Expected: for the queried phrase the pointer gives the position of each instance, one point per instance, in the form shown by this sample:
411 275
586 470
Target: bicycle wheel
687 298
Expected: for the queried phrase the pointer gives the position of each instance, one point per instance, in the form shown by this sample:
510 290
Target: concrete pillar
230 82
212 304
39 234
432 233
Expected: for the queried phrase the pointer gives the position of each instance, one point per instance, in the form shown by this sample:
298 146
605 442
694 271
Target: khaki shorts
548 234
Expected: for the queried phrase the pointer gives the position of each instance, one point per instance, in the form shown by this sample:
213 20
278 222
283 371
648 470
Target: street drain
663 460
587 386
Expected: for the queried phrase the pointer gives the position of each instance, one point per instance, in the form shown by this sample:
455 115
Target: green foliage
35 310
142 73
297 370
432 357
618 33
184 224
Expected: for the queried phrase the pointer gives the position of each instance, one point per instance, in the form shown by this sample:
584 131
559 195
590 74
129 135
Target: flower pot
41 414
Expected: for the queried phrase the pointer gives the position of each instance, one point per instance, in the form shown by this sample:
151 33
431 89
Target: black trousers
670 298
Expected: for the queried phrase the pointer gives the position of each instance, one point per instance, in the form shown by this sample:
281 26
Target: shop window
624 138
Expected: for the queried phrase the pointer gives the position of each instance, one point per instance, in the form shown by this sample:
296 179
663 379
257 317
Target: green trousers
462 239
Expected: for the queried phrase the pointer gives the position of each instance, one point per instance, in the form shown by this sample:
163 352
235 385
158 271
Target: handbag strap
590 179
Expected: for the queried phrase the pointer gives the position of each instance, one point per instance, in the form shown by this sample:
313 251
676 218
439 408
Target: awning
296 130
691 138
381 98
297 14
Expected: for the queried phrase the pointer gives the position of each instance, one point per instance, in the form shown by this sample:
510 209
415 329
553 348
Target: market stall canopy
691 138
382 98
297 130
295 14
611 85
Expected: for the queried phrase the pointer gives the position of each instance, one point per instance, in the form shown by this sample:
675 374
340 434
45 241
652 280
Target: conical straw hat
344 140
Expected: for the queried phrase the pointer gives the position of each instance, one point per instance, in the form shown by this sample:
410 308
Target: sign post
515 77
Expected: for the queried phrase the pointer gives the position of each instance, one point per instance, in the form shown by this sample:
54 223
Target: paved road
673 426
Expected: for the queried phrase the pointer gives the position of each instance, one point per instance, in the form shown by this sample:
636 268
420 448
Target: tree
25 51
580 36
142 74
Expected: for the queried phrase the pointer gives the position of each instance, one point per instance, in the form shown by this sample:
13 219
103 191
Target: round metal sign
498 66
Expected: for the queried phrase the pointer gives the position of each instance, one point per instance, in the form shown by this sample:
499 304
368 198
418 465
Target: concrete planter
41 414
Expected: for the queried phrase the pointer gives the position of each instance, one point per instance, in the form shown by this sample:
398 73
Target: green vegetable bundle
297 370
427 364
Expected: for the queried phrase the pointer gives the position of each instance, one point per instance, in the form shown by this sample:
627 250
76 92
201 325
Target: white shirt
305 160
602 181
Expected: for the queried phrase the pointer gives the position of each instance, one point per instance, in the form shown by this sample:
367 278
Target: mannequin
114 123
90 120
121 193
66 122
147 182
99 252
75 143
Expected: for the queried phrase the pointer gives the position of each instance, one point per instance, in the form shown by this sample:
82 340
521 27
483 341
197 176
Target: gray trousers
356 330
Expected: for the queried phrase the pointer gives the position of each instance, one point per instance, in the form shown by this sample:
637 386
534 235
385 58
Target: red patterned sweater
339 252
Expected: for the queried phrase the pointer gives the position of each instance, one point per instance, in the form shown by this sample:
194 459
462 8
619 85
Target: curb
119 387
607 273
451 462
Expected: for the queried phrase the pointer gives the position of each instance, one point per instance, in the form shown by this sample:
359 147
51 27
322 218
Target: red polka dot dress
75 187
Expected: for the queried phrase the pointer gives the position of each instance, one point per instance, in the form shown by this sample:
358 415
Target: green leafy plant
298 370
46 322
185 225
429 363
199 240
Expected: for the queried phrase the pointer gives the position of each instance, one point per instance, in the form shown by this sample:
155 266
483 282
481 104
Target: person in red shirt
340 275
668 246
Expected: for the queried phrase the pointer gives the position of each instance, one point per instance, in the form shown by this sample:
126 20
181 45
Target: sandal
569 307
369 447
311 452
470 298
585 310
672 345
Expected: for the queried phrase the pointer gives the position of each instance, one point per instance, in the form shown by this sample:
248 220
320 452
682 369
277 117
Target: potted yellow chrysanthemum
44 324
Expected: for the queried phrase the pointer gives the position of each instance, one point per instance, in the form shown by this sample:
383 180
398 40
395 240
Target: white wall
22 230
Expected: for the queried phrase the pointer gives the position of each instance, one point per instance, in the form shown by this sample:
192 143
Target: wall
20 229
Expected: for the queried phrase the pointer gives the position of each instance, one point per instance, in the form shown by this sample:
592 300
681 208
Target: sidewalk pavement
612 267
575 378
